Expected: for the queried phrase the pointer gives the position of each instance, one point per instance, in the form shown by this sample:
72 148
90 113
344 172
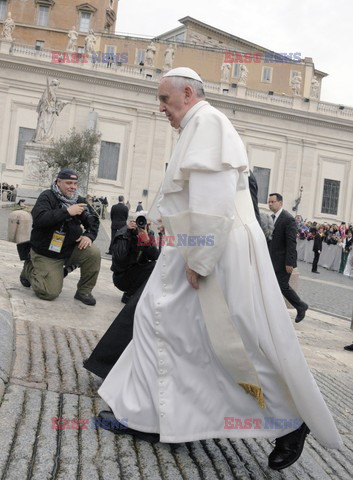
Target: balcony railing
154 74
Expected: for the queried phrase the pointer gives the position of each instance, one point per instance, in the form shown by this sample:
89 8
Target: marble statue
225 72
169 58
48 108
90 42
8 28
243 77
296 83
72 43
315 88
150 54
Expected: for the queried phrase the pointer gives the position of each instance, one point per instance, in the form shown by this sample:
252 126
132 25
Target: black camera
141 221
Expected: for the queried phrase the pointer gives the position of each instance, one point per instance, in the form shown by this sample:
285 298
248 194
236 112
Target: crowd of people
331 234
11 191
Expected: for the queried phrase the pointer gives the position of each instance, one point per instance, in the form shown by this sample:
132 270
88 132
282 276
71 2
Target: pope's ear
188 92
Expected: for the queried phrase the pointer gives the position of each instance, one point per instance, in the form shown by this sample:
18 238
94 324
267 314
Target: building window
25 135
262 176
140 57
266 75
3 9
108 160
43 15
330 196
85 21
39 44
236 70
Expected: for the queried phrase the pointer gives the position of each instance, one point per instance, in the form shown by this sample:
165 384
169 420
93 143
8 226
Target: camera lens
141 221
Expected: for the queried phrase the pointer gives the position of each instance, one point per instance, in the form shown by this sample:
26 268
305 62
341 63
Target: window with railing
236 70
262 176
3 9
24 135
85 21
108 160
330 196
266 75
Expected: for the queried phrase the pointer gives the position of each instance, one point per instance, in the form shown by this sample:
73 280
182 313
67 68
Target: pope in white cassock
213 346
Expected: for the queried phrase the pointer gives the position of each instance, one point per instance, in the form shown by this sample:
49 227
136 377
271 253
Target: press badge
57 241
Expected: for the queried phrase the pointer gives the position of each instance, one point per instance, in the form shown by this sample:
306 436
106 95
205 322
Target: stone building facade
292 140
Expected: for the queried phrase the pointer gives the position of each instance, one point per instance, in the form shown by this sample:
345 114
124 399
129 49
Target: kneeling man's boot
288 448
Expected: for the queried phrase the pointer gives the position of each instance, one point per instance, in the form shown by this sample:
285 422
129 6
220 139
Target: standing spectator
317 248
347 245
283 252
139 207
118 215
128 204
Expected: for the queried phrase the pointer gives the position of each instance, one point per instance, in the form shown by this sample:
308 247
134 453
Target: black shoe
315 271
301 313
125 298
107 421
288 448
70 268
108 253
26 283
349 348
85 298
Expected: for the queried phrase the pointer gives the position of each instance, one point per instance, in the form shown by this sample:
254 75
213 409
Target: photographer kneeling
134 255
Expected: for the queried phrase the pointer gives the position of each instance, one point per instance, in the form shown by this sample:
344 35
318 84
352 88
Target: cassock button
157 323
160 381
156 332
162 414
160 350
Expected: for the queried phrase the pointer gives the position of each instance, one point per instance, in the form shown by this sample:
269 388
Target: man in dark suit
283 252
317 248
118 215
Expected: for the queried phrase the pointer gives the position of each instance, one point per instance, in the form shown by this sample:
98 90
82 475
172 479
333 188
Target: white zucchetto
185 72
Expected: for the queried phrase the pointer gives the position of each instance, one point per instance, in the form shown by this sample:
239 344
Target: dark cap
67 174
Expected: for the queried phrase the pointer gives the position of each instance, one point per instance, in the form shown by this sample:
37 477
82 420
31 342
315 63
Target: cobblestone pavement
48 381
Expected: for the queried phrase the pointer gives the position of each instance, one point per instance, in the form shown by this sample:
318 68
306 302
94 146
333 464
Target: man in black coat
118 215
283 252
58 240
317 248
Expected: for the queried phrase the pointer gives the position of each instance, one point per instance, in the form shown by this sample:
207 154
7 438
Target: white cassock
179 375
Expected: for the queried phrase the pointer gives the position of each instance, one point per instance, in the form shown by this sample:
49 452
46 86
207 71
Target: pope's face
67 187
173 101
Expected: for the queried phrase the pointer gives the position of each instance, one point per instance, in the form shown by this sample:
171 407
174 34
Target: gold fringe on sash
256 392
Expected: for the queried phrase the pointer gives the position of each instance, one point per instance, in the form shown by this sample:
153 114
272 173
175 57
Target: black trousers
115 340
130 280
315 261
287 291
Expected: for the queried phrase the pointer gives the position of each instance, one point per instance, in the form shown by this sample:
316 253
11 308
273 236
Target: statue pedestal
241 90
224 88
5 46
149 73
34 179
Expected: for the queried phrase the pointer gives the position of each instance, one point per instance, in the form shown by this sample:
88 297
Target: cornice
283 114
150 88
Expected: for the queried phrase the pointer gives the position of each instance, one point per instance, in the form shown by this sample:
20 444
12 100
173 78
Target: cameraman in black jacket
134 256
63 231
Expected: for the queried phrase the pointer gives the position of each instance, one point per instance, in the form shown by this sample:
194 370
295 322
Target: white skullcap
185 72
